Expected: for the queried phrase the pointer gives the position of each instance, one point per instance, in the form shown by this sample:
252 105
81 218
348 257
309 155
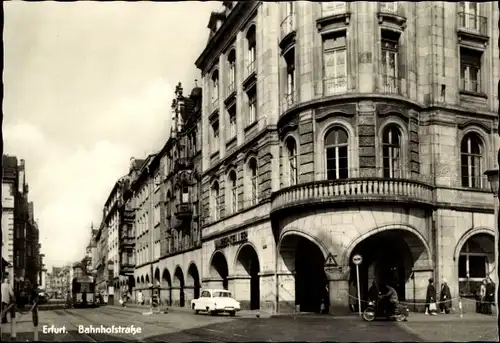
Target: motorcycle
373 311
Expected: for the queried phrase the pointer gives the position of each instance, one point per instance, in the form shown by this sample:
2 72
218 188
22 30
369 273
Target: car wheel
232 313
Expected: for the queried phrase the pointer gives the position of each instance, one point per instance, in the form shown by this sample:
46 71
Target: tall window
214 142
231 111
251 52
476 262
215 89
329 8
334 64
231 61
389 60
289 58
254 180
470 70
391 152
252 105
215 197
336 149
469 15
291 147
233 196
472 161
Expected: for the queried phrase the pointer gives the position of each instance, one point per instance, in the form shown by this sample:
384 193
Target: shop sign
233 239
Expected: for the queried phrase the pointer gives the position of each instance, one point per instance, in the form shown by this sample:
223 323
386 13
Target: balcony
183 163
215 105
288 101
287 27
390 84
335 85
250 75
184 211
353 190
472 27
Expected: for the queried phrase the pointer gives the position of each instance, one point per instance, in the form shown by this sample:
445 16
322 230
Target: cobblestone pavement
183 326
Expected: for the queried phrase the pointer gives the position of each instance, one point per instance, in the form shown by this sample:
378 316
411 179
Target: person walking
430 299
445 297
482 297
8 300
140 298
489 296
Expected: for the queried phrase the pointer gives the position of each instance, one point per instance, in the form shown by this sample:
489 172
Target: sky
88 85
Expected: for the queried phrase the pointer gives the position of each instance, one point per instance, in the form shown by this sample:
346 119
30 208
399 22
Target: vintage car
215 301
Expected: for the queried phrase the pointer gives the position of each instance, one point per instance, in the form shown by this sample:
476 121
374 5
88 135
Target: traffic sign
357 259
330 261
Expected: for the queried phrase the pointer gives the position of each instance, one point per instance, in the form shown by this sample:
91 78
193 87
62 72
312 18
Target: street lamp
493 179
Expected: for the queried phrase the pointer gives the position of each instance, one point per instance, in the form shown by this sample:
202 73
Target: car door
202 301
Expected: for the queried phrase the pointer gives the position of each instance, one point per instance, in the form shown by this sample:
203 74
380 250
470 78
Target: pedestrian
430 299
490 295
8 300
482 297
140 298
445 297
373 292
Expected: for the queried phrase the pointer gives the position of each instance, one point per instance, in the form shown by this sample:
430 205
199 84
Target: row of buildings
22 259
321 130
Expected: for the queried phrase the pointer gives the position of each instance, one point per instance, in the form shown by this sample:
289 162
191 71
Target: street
183 326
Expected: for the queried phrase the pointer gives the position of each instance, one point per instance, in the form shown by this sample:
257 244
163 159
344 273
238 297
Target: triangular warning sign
330 261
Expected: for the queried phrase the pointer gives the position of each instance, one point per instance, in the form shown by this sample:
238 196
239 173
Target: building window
391 152
251 52
214 141
469 17
215 90
336 149
254 180
233 196
215 197
389 7
472 161
289 58
231 61
329 8
185 195
252 105
389 61
291 148
334 64
476 262
231 111
470 70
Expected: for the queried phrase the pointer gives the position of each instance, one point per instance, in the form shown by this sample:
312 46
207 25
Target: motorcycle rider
389 299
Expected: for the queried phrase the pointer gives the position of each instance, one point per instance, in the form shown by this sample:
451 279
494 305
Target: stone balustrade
361 189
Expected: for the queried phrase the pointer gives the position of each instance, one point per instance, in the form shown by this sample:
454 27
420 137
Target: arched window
476 262
251 53
336 150
233 192
231 61
472 161
254 181
391 152
291 148
215 199
215 88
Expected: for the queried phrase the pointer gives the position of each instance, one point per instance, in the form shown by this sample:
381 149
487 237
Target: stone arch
142 280
157 276
147 279
468 234
247 268
178 285
405 227
305 235
193 280
166 278
219 269
166 285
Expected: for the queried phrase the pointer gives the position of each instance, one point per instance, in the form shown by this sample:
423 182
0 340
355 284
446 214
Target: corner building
348 128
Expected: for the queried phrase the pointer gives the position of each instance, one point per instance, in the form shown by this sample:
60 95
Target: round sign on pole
357 259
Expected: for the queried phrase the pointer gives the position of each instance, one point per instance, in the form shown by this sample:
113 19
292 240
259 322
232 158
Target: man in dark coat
373 292
489 298
430 298
445 297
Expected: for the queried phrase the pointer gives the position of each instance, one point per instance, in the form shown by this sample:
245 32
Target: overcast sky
87 86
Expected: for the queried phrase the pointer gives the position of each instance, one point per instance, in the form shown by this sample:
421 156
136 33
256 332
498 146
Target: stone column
338 288
420 281
239 285
165 296
286 292
176 295
188 295
268 294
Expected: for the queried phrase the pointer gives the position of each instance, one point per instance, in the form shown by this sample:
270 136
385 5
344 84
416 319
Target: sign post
357 259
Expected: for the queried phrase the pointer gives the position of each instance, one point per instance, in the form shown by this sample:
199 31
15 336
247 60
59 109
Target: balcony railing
250 68
184 210
288 101
470 86
335 85
215 104
391 84
472 23
287 25
366 189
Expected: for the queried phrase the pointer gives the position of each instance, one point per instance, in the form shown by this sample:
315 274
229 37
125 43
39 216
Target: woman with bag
445 297
430 299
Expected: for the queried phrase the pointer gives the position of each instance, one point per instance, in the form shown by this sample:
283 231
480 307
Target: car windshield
222 294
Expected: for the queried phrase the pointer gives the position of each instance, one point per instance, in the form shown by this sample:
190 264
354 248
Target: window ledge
474 94
250 126
214 154
231 141
325 21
